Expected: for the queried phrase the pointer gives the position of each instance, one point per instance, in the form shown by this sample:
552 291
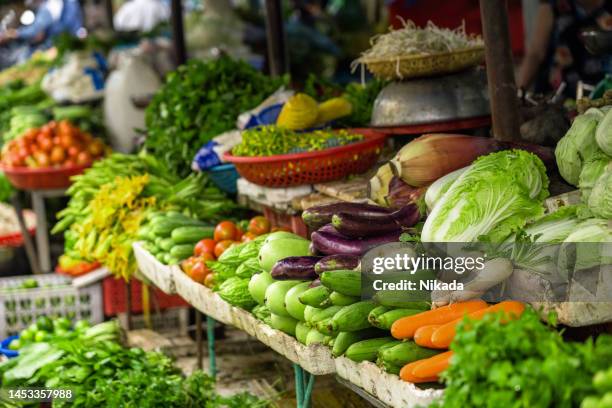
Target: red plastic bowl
312 167
42 179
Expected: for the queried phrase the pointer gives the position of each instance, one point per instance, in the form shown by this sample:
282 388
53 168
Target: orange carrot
433 366
405 327
406 372
422 336
444 335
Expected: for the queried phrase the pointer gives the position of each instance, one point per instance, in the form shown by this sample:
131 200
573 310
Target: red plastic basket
312 167
42 179
115 300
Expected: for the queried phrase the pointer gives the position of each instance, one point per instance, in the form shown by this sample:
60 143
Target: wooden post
275 33
500 70
178 33
108 8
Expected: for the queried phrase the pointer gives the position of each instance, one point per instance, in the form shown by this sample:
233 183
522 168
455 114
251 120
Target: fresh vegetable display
273 140
55 144
113 200
46 328
101 372
219 91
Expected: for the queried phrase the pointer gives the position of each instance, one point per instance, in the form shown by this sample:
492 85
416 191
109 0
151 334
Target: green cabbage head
576 147
592 169
603 135
600 200
498 194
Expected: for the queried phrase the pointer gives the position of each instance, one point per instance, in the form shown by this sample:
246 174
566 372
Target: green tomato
41 336
33 328
14 344
44 323
81 325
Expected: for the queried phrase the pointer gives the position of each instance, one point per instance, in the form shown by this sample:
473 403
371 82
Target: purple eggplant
295 267
330 229
407 216
355 226
402 194
318 216
336 262
333 245
313 251
315 283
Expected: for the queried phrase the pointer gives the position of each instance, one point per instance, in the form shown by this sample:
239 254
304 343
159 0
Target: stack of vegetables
111 201
584 158
99 371
55 144
46 328
225 235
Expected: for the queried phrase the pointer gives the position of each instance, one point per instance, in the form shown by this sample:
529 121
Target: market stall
299 215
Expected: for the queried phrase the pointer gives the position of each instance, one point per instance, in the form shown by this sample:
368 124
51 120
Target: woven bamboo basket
414 66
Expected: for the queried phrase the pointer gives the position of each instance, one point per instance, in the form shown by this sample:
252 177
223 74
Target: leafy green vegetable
600 200
198 102
603 134
520 364
554 227
592 169
6 188
498 194
577 146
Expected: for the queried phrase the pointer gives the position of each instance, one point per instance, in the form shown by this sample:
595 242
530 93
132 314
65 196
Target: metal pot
432 100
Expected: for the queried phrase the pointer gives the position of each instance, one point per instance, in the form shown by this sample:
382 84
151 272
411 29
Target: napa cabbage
592 169
554 227
498 194
603 134
600 200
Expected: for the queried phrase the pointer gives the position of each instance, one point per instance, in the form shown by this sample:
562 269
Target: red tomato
69 163
45 143
225 230
239 234
205 246
209 281
187 265
259 225
248 236
73 151
83 159
96 148
42 159
199 272
222 246
58 155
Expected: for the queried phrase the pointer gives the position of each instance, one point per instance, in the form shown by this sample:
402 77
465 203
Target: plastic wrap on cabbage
590 245
603 134
496 196
592 169
576 146
600 200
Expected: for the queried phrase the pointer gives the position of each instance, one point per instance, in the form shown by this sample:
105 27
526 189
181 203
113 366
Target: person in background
557 54
52 18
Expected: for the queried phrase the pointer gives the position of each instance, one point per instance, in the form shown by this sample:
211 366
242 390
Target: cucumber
182 251
163 227
315 297
338 299
284 324
301 332
404 353
294 307
166 258
353 317
323 314
396 298
160 255
157 241
309 312
367 350
275 296
390 368
377 311
154 249
385 320
314 337
166 244
347 282
191 235
345 339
